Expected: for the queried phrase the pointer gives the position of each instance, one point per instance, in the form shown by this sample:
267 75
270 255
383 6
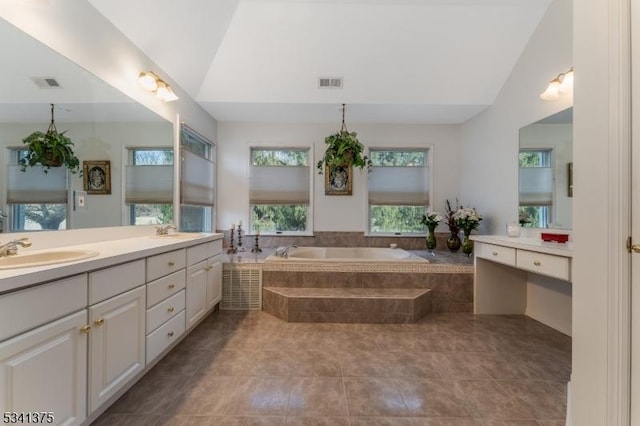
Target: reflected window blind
197 180
149 184
286 184
399 185
536 186
34 186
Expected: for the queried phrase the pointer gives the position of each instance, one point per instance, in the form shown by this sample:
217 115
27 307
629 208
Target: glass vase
431 238
453 242
467 244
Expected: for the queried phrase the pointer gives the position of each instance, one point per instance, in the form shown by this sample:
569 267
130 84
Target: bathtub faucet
284 251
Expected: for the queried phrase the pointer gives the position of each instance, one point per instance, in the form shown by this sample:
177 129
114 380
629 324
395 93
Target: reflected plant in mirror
545 151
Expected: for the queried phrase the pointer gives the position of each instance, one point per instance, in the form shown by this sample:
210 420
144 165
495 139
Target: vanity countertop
532 244
109 253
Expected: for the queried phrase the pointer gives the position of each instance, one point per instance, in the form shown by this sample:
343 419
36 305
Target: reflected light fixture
153 83
563 83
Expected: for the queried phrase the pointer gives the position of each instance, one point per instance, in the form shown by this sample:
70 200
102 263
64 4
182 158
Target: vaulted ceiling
402 61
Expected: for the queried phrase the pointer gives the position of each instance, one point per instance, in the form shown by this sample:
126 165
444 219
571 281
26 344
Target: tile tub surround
250 368
347 305
338 239
450 291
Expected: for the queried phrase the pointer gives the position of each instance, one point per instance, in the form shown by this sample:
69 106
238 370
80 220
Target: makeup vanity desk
523 276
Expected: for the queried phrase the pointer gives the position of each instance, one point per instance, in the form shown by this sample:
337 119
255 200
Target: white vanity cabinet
523 276
71 346
117 336
204 280
43 358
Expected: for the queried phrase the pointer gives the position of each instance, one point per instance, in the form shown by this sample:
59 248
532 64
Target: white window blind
279 185
198 181
536 186
34 186
149 184
400 185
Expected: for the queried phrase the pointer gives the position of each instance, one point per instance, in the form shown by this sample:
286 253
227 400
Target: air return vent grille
330 82
241 288
46 82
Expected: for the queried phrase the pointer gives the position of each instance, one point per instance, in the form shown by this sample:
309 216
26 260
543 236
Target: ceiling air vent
330 82
46 82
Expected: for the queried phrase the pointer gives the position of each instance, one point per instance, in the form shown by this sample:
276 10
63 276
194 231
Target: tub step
347 305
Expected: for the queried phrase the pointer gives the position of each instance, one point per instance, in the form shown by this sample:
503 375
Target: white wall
331 213
93 141
489 178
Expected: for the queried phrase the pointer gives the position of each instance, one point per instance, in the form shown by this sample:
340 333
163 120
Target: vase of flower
453 242
431 220
431 238
467 243
467 219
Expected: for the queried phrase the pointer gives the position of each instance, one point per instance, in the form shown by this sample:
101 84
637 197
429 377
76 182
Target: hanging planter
50 149
343 152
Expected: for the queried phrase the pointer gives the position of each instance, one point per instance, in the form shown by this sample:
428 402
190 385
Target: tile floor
250 368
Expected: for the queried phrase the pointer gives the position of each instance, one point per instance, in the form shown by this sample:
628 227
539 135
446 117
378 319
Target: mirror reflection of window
36 200
536 187
149 189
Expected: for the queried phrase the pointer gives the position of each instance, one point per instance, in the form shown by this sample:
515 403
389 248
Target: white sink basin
179 235
28 260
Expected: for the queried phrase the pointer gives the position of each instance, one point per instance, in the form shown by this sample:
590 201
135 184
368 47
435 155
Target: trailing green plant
343 150
50 149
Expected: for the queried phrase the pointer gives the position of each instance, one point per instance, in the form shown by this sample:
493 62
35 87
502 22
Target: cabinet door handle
85 329
495 253
171 286
208 268
170 334
537 262
99 322
172 263
171 309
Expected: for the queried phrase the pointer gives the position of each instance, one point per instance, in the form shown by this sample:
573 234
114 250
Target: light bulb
552 92
164 92
148 80
567 81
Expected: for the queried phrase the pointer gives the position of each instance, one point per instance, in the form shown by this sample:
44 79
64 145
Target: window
536 187
280 190
197 181
37 197
149 185
399 189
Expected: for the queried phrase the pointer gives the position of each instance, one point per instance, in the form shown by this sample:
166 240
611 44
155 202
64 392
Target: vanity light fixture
561 84
153 83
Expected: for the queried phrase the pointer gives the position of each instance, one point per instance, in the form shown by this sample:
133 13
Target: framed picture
569 179
338 180
97 177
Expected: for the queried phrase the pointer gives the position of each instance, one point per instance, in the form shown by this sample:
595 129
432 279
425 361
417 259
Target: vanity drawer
164 336
500 254
545 264
197 254
111 281
164 287
215 247
165 263
163 311
35 306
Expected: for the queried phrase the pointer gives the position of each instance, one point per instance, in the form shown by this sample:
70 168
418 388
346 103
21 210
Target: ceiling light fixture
151 82
563 83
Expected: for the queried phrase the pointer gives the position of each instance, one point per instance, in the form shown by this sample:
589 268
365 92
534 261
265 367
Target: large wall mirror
105 126
546 172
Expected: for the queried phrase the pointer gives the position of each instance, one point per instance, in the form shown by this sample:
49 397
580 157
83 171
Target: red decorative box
558 238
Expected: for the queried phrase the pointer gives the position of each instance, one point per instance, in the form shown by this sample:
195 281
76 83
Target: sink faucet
284 251
164 230
11 247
